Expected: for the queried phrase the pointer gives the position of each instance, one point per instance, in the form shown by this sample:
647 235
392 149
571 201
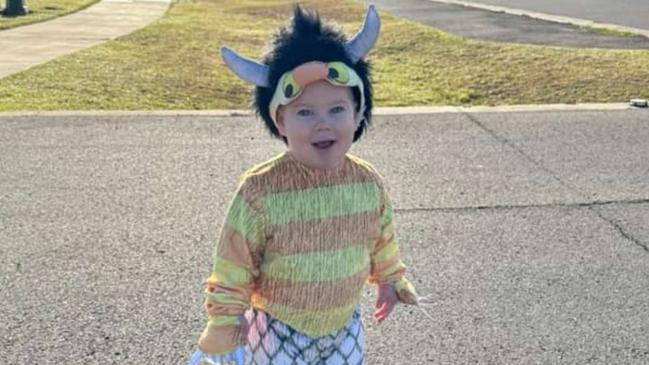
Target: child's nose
323 123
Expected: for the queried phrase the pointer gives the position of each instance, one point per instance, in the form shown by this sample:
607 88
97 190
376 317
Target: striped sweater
299 244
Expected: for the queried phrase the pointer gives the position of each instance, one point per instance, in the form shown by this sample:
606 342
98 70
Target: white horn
364 40
247 69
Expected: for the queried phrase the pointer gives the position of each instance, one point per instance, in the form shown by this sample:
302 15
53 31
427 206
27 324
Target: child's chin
329 163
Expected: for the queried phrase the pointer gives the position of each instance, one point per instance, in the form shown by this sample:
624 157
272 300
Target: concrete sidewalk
31 45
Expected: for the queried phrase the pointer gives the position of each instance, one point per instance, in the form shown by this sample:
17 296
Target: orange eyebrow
310 72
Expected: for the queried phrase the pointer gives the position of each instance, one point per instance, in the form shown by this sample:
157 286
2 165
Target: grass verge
175 64
42 10
609 32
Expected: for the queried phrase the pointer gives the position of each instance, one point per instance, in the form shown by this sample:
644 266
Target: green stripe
217 321
226 272
387 214
244 220
320 203
314 323
388 230
225 298
388 251
320 266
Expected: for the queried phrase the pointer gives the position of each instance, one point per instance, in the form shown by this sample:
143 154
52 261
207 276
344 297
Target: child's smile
319 125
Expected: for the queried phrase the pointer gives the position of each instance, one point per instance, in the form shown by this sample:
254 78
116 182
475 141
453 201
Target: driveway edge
545 16
377 111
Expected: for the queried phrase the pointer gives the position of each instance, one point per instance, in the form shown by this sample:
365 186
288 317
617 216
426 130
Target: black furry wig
307 39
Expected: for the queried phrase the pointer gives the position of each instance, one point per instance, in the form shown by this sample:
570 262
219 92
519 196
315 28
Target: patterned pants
272 342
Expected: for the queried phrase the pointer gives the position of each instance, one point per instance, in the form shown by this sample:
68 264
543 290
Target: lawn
175 64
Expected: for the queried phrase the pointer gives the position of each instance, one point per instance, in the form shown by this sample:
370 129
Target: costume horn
363 41
247 69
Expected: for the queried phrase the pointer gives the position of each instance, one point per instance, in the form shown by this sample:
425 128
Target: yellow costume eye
290 87
338 72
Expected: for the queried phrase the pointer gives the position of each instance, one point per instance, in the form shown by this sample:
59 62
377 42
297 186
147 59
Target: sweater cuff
406 291
221 336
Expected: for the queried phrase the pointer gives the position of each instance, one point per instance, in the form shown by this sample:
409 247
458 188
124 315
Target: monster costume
299 243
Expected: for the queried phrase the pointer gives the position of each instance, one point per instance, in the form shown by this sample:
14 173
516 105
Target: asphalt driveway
632 13
500 27
530 230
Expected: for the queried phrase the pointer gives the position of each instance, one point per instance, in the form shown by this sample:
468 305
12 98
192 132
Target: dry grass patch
175 64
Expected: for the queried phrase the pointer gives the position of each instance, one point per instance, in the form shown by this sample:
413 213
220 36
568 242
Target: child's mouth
324 144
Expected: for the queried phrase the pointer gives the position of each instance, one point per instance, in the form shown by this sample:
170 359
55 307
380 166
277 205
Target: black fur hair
308 39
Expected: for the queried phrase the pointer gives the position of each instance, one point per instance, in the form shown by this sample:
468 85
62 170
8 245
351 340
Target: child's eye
304 112
338 109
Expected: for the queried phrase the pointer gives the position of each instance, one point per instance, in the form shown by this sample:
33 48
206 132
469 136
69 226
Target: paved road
500 27
529 229
631 13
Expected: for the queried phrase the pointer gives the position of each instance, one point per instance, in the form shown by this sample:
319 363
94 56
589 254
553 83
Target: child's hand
385 302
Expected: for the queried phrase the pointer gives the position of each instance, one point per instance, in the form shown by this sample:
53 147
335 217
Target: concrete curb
548 17
378 111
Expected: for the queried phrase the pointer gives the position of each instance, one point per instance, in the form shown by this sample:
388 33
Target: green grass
175 64
609 32
41 10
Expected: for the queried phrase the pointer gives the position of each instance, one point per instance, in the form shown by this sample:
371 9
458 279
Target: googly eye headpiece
292 83
304 52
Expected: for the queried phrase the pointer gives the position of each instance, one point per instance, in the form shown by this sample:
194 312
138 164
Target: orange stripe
220 340
215 309
240 292
310 296
322 235
387 277
251 194
235 248
385 265
382 242
305 178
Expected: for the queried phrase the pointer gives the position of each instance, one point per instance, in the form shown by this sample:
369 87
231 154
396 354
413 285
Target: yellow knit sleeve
230 285
386 264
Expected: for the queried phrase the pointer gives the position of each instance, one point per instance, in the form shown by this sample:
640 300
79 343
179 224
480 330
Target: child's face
323 112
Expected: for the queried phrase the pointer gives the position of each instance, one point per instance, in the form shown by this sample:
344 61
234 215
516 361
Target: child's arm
227 295
387 269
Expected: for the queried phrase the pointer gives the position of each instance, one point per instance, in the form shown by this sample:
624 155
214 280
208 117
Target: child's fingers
380 308
380 317
384 309
385 302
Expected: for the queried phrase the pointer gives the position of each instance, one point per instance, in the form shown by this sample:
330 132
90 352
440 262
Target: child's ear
279 121
358 116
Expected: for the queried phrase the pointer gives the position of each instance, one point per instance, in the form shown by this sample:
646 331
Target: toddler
308 228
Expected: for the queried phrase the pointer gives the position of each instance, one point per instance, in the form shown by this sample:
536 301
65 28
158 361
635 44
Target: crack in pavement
591 206
522 206
511 145
622 231
588 206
